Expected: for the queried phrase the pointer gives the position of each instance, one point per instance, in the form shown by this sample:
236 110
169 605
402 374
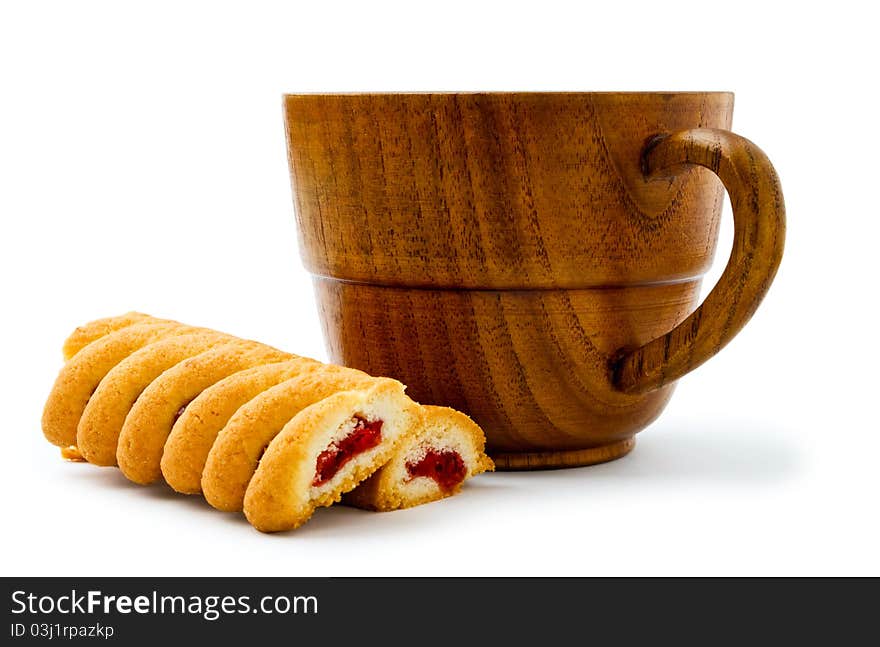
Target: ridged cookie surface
80 376
148 424
93 330
196 430
99 427
233 459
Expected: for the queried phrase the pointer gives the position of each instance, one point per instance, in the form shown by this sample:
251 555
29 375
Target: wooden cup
533 259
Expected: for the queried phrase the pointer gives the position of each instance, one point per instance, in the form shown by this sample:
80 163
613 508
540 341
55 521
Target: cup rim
509 93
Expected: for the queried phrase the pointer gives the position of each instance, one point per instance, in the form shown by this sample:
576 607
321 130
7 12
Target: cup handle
759 234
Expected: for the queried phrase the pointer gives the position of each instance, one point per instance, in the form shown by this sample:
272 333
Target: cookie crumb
72 454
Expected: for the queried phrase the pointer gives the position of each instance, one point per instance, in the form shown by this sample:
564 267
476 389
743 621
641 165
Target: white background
142 166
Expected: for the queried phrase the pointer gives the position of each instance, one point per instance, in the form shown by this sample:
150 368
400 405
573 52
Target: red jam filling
364 436
445 466
180 412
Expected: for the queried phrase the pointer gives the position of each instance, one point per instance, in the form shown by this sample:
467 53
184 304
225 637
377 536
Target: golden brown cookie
195 431
430 464
80 376
325 451
233 458
256 428
148 424
93 330
98 431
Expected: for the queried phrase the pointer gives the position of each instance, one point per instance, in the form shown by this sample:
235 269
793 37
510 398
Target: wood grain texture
758 242
507 255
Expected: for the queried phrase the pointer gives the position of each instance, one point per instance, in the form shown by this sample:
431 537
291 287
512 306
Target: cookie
430 464
98 430
326 450
236 452
194 433
254 428
79 377
93 330
148 424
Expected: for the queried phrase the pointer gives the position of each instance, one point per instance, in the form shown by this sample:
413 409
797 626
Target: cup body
493 251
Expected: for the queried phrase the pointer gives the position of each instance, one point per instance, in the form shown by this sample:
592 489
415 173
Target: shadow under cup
532 259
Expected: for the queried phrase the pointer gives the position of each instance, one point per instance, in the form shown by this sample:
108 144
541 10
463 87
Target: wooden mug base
512 461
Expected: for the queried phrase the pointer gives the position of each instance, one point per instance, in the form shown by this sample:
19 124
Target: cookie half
233 458
325 451
194 433
430 464
97 434
148 424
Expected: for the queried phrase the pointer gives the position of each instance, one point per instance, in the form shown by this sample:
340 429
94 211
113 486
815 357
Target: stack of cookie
250 427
